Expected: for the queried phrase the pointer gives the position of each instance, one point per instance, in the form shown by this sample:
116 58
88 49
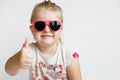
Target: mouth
46 36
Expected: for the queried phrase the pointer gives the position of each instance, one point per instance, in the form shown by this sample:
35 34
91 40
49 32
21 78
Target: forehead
45 14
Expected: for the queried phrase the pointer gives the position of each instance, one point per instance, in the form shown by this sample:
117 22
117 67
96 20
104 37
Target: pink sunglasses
52 24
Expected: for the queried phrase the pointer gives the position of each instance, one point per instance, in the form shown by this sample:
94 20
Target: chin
47 43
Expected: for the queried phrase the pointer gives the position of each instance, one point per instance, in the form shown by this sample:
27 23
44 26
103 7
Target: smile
46 36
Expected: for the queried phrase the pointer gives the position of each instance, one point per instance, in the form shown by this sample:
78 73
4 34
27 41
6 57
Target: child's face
47 36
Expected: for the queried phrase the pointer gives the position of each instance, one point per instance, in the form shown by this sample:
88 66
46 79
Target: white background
92 27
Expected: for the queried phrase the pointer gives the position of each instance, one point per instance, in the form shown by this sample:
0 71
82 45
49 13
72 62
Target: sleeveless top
50 68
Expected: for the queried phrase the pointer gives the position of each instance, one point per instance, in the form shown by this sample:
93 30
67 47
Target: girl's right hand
25 56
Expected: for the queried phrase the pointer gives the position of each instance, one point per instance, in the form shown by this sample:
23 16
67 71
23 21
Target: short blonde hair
48 5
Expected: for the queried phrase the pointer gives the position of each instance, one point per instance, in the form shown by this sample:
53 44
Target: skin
21 60
47 41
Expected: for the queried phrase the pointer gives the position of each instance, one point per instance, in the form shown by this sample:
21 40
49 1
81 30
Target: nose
47 29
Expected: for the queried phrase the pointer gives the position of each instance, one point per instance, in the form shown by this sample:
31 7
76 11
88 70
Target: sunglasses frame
47 22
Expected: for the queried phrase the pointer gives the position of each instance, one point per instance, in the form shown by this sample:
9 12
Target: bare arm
73 70
21 60
12 65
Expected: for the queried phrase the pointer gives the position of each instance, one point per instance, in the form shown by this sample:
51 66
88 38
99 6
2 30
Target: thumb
26 43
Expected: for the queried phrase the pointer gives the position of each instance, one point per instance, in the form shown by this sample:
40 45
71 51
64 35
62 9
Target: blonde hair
48 5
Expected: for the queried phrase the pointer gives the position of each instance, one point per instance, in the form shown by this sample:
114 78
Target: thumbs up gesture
25 56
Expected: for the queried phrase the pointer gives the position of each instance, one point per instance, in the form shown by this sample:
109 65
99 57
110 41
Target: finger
25 66
26 43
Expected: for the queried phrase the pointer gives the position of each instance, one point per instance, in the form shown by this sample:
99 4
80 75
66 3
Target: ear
61 28
31 28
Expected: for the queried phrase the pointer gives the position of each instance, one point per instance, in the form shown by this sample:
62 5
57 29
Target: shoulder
69 53
32 45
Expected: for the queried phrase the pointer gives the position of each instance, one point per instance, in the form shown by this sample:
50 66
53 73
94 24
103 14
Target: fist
25 56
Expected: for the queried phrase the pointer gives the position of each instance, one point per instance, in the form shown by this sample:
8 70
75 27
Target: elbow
9 71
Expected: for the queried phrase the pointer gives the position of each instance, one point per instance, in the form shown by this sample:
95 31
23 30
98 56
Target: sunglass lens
39 26
55 25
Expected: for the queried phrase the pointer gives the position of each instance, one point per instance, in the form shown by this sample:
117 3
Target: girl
47 58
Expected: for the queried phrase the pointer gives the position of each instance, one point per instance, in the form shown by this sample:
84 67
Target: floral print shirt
51 68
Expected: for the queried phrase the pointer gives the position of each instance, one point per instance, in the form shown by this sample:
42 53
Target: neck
48 51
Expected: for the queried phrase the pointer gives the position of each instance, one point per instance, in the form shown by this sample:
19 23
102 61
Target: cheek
36 35
58 34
